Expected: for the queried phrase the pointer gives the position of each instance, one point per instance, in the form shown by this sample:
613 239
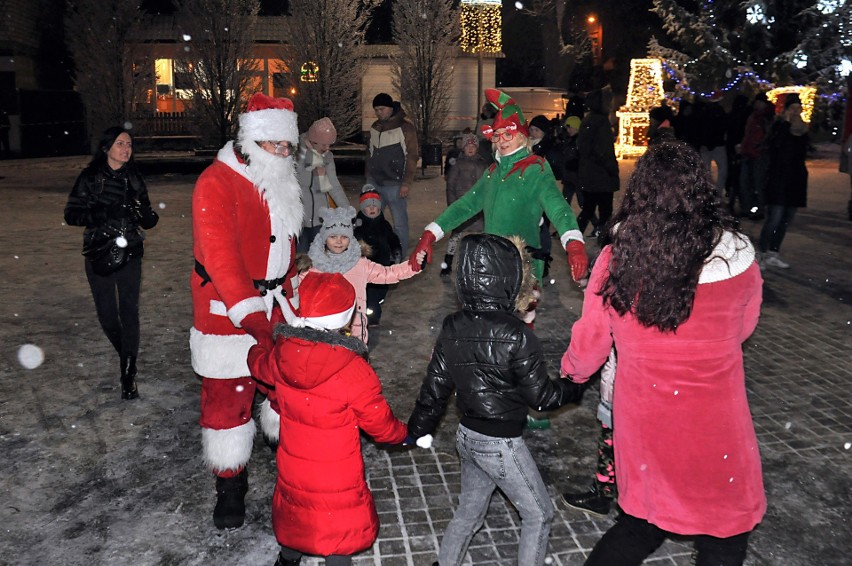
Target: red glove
424 245
577 260
259 328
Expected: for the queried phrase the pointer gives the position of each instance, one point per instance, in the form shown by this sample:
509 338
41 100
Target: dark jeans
778 218
631 540
591 201
332 560
117 304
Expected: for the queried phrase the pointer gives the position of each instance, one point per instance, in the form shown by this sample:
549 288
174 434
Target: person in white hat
246 215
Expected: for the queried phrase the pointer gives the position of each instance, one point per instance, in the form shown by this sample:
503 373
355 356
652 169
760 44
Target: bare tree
327 35
218 62
109 70
426 32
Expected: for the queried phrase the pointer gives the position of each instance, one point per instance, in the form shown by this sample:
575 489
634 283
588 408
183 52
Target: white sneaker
773 259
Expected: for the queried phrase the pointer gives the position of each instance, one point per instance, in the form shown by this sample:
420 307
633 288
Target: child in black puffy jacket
495 364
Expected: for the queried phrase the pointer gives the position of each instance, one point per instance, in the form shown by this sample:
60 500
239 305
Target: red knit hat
509 114
268 119
326 301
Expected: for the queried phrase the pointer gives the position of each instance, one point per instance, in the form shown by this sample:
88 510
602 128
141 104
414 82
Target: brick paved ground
90 479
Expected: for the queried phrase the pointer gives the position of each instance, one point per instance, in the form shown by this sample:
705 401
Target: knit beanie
369 197
336 222
541 122
573 122
383 99
322 131
326 301
469 139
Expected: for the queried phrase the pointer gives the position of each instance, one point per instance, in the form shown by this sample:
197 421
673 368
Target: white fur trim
271 124
246 307
571 235
733 255
436 230
218 308
270 421
217 356
327 322
228 449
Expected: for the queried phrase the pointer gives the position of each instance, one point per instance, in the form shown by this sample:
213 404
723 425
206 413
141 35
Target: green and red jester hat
509 114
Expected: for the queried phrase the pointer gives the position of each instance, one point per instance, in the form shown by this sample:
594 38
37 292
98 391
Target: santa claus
246 214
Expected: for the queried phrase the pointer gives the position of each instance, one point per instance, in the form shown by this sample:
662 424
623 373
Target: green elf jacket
513 194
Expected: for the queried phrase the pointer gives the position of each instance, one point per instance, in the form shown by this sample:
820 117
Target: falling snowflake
30 356
829 6
800 60
755 14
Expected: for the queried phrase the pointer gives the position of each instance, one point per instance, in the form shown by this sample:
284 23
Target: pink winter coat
327 394
686 455
366 271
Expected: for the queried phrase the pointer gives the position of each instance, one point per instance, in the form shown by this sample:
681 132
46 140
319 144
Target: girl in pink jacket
335 250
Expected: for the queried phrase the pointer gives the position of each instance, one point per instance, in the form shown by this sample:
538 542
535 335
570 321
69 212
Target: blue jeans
399 210
778 218
489 462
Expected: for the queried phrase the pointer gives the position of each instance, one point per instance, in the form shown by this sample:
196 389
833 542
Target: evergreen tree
790 42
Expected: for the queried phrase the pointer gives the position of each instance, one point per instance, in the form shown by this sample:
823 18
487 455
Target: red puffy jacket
327 394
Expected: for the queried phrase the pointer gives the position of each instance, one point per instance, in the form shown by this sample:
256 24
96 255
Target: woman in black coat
110 199
787 183
598 166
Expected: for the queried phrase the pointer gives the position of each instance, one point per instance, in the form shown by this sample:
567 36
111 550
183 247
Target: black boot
230 511
591 501
448 265
287 561
128 378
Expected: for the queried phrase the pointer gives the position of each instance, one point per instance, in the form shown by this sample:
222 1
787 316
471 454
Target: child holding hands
327 394
496 365
335 250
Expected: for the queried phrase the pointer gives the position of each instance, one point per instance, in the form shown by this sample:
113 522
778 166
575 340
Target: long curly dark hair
669 222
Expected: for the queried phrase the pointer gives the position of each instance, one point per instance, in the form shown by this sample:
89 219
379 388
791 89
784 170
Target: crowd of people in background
288 276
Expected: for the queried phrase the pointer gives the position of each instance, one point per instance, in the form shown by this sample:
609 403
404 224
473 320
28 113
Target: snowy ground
91 479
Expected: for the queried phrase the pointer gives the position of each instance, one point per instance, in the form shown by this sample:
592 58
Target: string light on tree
644 92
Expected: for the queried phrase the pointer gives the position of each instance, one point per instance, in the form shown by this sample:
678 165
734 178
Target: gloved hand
423 245
577 259
257 325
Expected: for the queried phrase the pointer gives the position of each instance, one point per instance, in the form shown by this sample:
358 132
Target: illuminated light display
807 94
644 92
309 72
481 26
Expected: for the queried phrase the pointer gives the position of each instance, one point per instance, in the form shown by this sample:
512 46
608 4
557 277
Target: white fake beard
275 178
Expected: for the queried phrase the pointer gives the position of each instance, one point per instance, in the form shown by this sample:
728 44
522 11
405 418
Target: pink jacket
366 271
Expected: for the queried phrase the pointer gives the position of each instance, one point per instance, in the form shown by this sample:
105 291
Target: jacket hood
494 274
314 356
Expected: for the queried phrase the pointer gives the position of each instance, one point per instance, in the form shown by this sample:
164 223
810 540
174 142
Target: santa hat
369 197
268 119
322 131
326 301
509 114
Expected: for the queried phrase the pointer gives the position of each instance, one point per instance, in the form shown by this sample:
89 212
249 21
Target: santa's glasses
282 148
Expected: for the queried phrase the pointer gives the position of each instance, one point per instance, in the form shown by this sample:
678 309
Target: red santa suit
246 217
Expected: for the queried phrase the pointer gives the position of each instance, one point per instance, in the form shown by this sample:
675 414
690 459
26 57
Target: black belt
262 285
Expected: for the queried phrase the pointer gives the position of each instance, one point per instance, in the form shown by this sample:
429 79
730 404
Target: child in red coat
327 394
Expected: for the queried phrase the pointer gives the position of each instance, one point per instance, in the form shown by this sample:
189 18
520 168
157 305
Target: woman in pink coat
335 250
677 292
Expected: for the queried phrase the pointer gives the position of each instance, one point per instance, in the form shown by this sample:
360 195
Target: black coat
485 353
108 203
787 182
385 247
598 168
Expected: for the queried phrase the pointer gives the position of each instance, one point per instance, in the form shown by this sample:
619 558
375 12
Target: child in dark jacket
467 169
373 229
496 366
328 394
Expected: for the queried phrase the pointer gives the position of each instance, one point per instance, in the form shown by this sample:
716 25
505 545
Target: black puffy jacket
491 358
108 202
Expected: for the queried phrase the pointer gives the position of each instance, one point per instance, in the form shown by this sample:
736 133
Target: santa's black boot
230 511
447 268
128 378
